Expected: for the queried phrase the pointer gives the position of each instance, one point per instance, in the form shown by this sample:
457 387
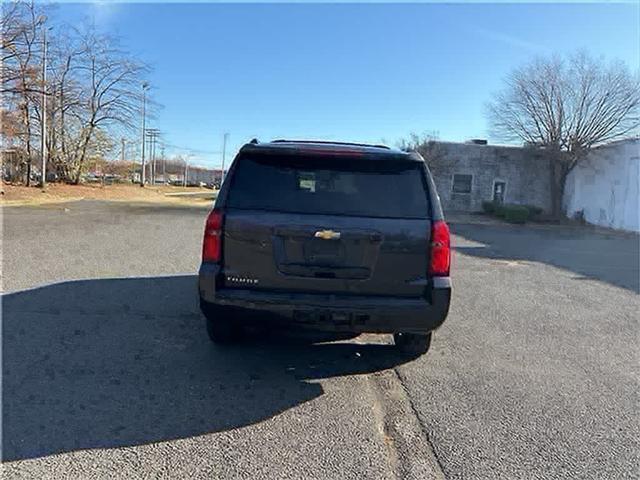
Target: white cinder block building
605 187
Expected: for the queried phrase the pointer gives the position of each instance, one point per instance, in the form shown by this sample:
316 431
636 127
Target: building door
498 191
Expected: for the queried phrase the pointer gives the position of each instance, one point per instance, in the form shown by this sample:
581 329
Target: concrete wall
605 187
524 170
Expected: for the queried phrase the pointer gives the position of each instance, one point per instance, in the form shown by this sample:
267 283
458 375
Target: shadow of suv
334 236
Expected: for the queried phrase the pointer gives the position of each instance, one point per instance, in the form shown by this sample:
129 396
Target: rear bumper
348 313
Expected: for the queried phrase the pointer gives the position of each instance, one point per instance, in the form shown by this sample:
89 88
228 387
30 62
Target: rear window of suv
332 186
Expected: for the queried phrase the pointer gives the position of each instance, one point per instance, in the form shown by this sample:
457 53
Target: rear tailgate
327 226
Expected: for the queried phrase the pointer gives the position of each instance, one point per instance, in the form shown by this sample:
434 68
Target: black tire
222 328
413 343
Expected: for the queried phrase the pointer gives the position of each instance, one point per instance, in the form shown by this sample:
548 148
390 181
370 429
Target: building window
461 183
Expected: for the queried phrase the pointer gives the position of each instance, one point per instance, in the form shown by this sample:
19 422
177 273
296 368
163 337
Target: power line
188 149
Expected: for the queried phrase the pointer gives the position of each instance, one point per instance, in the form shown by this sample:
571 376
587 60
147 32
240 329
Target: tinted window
375 188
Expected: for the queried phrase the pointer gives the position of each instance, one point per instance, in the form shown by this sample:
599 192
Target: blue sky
359 72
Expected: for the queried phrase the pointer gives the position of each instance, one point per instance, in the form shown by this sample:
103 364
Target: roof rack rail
329 142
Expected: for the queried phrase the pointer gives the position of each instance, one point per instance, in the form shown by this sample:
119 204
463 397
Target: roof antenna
254 141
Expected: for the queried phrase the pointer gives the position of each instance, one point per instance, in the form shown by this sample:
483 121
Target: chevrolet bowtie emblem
327 235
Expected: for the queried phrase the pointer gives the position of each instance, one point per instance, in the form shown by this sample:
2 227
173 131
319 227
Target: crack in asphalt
410 453
425 433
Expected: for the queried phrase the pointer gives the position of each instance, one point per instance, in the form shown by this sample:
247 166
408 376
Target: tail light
212 242
440 249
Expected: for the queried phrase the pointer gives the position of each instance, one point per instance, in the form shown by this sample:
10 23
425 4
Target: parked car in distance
92 178
334 236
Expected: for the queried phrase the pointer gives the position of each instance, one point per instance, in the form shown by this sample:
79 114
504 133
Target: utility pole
153 159
224 152
43 124
145 86
153 134
164 167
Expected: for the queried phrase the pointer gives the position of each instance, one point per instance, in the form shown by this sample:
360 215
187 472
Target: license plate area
331 317
329 253
299 253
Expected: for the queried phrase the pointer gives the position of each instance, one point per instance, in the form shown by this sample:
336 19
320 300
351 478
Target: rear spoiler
326 150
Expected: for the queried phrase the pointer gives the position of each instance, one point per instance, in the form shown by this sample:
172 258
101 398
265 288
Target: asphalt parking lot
107 372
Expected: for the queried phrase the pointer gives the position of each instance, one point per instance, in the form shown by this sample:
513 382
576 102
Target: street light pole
145 86
43 133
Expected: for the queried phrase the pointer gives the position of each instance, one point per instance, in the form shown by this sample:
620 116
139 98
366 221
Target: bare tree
92 89
415 140
21 50
98 91
65 97
566 106
429 147
19 22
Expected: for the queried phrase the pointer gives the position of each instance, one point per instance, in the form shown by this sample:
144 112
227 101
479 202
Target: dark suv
344 237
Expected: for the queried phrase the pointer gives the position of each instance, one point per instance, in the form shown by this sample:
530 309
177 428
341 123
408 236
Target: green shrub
515 213
489 207
511 212
534 210
500 210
